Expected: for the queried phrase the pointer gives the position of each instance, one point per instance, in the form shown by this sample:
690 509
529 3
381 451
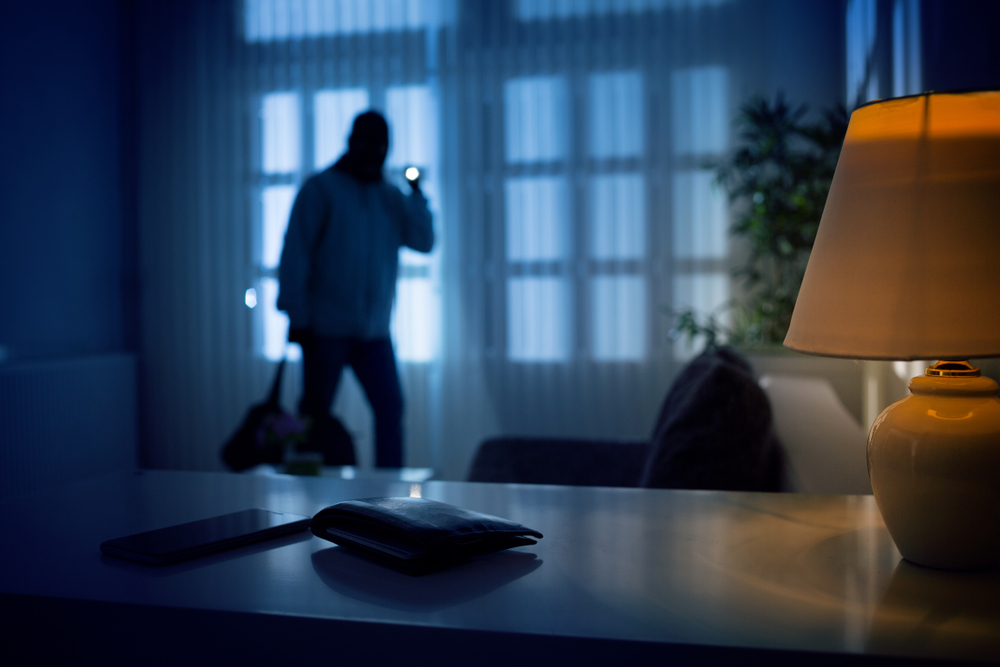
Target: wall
66 244
802 44
960 44
61 236
66 420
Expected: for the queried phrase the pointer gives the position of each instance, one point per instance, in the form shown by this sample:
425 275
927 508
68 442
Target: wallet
416 535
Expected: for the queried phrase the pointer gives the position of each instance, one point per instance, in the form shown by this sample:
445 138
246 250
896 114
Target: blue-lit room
611 196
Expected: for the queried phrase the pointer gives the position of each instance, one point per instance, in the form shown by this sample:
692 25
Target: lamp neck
953 369
953 379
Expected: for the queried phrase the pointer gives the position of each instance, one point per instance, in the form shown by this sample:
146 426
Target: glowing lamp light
905 267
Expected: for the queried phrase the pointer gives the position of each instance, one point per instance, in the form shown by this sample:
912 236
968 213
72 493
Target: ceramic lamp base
934 462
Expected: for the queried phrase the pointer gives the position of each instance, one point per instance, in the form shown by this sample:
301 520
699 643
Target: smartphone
208 536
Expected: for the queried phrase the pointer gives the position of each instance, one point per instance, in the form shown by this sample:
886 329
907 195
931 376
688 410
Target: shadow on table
360 578
936 613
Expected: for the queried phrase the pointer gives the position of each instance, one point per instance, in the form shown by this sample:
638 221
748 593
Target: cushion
825 446
715 430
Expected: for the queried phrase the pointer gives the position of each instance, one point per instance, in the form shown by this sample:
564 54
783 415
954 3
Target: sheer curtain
586 209
564 146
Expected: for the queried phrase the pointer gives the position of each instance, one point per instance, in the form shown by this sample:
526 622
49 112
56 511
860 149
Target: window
615 119
412 116
575 282
536 222
700 120
276 205
536 249
535 119
617 217
538 319
334 111
907 76
535 10
618 318
280 164
696 197
537 226
862 75
700 110
274 20
280 146
413 119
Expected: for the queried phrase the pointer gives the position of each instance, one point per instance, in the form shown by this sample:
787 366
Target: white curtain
564 146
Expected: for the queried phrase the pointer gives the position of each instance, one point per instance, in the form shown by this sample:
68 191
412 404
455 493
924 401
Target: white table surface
657 571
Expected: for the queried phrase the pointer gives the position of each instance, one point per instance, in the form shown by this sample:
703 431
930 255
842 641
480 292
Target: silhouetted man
338 280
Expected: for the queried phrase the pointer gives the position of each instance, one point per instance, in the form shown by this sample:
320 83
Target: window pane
335 111
276 205
269 20
618 318
280 117
413 125
906 66
538 315
618 217
706 294
699 217
700 109
614 103
415 318
412 117
536 213
540 10
535 119
275 324
861 31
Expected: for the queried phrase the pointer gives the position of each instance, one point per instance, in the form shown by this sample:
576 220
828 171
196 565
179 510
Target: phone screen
199 538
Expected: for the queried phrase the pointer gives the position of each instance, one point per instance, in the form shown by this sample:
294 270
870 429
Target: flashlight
412 174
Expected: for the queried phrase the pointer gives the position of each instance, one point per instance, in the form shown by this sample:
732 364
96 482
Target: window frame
258 181
579 269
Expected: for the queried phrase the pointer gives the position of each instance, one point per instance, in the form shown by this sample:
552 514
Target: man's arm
306 219
418 228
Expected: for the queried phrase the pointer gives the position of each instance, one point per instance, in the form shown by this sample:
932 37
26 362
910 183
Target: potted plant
777 180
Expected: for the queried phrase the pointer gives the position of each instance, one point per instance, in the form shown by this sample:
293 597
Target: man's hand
412 175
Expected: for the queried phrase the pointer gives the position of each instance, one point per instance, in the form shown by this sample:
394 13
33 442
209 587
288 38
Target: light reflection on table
769 571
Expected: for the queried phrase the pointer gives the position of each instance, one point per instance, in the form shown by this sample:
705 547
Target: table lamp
906 266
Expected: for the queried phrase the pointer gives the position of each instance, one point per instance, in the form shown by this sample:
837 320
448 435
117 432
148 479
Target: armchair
714 431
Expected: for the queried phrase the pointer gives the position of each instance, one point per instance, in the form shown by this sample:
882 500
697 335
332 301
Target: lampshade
906 263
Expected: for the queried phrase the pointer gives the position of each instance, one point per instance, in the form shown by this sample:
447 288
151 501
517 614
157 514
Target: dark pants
374 364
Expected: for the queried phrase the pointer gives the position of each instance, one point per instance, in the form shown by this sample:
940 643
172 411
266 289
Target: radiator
66 420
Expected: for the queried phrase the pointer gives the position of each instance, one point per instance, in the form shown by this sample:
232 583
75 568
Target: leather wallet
416 535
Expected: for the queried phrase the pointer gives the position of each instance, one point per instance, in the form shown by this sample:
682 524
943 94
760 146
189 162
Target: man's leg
323 360
374 364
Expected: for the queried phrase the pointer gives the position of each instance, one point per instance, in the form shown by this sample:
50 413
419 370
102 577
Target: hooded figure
338 281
